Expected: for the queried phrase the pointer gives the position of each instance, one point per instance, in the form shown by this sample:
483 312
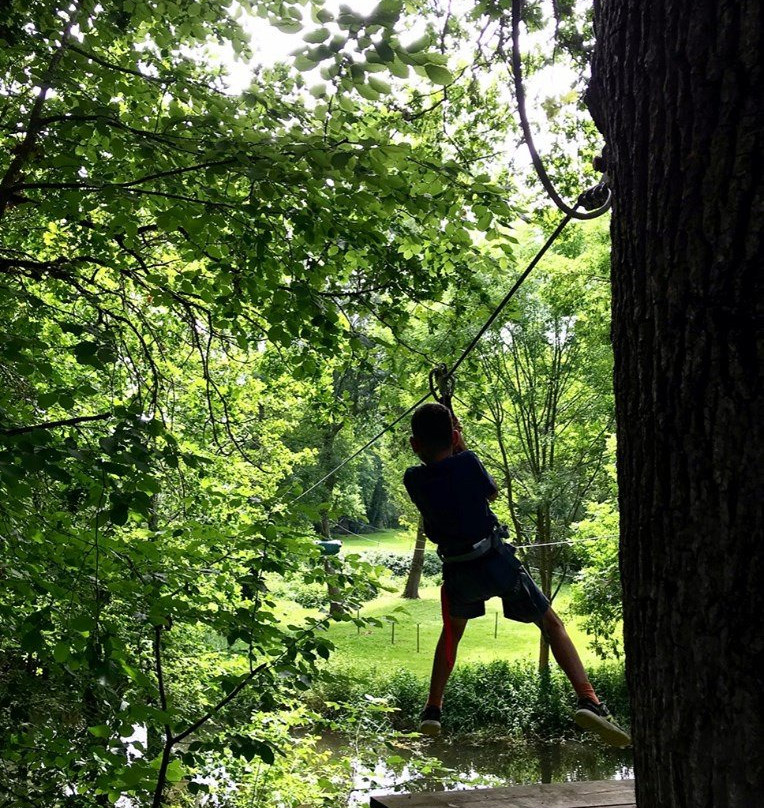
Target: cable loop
598 198
517 73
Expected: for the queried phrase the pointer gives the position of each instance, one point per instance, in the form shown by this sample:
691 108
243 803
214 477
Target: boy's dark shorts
497 574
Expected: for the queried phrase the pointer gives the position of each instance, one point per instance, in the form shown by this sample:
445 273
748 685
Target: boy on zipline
452 491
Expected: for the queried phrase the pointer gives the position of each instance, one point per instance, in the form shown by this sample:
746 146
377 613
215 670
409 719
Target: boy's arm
459 444
491 489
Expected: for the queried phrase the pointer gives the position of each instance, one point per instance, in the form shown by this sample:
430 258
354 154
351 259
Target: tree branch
24 150
81 419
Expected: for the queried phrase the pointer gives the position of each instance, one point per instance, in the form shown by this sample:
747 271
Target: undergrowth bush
313 594
508 698
400 563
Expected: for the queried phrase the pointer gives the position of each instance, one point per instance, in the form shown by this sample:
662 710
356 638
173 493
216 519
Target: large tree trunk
411 590
677 89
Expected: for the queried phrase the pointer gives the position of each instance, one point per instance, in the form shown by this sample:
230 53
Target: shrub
399 564
508 698
309 595
313 594
609 681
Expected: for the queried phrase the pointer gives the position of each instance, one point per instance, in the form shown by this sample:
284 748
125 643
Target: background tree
596 593
411 589
541 390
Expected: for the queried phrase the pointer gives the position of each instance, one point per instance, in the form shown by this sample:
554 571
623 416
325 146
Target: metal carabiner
442 385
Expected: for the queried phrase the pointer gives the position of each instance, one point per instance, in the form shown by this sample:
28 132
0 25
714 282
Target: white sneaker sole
431 728
609 732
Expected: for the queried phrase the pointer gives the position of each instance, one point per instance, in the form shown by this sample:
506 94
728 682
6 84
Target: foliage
508 698
166 249
310 593
303 770
596 593
209 300
399 564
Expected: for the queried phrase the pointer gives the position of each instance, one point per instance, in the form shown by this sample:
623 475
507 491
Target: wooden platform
599 794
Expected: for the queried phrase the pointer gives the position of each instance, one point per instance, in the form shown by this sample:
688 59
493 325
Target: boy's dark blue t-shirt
452 496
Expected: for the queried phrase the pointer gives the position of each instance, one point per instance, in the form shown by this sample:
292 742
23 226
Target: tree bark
676 90
336 605
411 590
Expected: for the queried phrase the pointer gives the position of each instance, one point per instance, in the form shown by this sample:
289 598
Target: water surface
473 762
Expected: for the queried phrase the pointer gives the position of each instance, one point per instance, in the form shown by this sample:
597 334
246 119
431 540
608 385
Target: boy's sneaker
597 718
429 721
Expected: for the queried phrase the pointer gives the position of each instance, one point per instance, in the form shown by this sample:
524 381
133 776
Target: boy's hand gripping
459 445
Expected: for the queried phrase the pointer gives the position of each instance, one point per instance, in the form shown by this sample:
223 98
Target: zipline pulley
442 386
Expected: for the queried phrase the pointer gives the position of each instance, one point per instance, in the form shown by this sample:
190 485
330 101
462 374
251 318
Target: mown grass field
386 541
377 647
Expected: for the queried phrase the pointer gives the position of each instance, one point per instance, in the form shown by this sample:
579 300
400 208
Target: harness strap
480 548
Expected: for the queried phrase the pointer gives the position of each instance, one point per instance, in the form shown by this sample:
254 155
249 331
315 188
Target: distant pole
417 638
495 625
358 625
392 633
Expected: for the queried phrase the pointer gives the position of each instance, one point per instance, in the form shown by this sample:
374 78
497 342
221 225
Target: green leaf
288 26
438 74
46 400
61 651
303 64
266 753
84 352
317 36
379 85
119 513
175 771
367 92
341 159
100 730
346 103
384 51
419 44
397 68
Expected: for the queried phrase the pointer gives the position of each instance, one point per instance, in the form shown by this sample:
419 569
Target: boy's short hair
431 425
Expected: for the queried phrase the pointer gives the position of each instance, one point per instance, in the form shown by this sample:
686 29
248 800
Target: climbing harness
479 548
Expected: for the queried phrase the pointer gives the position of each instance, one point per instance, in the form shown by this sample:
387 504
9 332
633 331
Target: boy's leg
566 654
441 667
591 714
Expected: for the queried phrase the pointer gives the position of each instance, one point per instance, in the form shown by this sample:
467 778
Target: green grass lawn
375 647
394 540
487 638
